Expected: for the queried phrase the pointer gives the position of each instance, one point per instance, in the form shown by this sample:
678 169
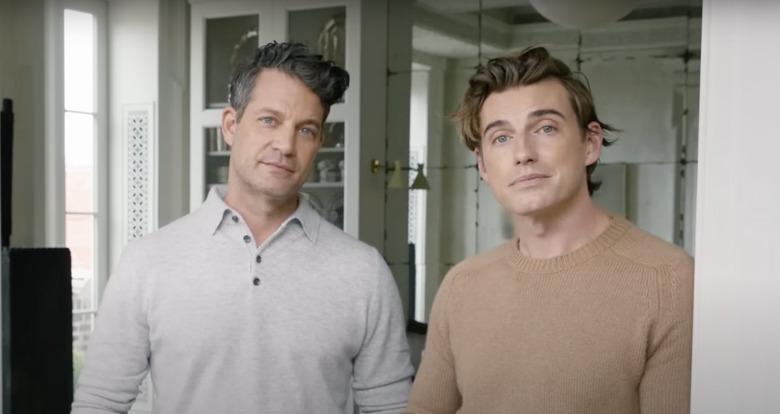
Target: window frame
55 142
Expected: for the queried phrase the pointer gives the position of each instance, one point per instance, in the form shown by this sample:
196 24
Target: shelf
219 153
327 150
339 184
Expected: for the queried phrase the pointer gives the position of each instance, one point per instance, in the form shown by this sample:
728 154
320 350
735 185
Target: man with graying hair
254 303
581 312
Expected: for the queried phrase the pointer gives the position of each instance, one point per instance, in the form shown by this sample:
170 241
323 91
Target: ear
229 125
594 140
481 165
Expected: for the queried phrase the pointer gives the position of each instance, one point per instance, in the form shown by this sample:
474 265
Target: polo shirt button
247 239
258 259
235 219
256 281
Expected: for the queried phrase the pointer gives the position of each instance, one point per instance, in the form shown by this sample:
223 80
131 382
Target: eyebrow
310 121
539 113
496 124
544 112
271 111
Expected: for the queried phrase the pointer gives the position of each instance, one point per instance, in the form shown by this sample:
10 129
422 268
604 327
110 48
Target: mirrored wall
643 71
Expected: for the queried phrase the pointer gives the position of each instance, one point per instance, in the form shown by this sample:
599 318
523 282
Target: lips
528 179
278 165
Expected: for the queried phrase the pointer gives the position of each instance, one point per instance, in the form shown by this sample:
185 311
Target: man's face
274 143
533 153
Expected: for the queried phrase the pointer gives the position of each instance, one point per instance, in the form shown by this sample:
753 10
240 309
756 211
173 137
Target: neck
555 233
262 214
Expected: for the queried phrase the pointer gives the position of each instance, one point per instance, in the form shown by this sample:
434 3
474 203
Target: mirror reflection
643 72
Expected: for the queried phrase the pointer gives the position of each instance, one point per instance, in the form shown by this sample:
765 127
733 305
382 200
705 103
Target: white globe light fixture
583 14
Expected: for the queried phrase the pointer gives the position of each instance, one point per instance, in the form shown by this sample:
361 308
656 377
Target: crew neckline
524 264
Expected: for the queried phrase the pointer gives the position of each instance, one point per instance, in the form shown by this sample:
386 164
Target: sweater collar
616 229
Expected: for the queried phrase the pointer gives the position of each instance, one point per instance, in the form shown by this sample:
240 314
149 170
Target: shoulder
646 249
483 261
178 234
349 262
479 269
334 243
672 267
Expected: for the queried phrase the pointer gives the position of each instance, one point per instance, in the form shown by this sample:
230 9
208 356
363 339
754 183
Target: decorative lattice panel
138 173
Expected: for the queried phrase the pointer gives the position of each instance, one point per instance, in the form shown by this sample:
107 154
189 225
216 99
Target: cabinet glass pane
328 170
217 158
334 135
321 30
230 41
325 185
327 201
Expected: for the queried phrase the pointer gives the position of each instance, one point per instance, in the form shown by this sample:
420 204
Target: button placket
255 266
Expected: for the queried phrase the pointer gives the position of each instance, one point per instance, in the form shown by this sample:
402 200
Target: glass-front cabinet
226 34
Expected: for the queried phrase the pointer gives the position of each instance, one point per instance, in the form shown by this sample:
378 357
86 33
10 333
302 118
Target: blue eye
547 129
309 133
268 120
501 139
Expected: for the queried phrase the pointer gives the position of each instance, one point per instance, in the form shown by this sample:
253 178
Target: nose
524 150
284 140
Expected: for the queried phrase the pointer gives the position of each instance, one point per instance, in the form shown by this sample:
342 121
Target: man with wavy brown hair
581 312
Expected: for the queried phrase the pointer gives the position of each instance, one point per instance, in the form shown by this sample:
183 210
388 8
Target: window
82 148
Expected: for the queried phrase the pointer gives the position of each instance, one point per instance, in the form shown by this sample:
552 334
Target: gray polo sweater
303 323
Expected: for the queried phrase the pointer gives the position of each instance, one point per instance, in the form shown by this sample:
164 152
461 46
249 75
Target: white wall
133 79
736 308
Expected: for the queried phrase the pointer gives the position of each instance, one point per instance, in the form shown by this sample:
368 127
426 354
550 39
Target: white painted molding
736 334
140 170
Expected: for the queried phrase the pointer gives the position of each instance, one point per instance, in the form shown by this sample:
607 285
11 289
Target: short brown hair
531 66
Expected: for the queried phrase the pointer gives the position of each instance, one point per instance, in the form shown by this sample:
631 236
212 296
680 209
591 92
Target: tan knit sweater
603 329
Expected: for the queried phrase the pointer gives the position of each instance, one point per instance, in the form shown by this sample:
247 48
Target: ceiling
460 6
448 28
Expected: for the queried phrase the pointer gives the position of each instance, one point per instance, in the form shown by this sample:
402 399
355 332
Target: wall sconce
397 177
